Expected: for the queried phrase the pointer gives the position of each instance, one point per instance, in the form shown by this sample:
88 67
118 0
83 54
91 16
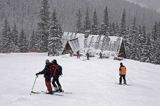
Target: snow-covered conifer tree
32 42
117 30
132 42
104 28
6 38
87 23
79 22
112 29
14 39
123 24
55 36
23 45
94 29
106 19
43 26
15 34
144 45
156 43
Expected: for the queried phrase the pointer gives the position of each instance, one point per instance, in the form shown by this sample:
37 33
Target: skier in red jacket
56 75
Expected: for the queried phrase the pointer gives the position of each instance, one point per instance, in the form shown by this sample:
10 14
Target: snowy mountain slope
26 12
139 3
154 4
92 83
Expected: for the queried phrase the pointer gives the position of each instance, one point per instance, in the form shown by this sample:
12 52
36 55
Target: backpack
59 70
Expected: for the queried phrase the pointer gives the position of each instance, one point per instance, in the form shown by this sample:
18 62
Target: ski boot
60 89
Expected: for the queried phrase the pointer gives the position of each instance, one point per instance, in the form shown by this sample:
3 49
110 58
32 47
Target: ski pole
33 85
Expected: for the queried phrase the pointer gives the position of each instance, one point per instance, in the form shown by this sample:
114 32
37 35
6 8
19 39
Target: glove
37 74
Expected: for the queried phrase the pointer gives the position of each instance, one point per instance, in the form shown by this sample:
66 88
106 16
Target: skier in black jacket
47 76
87 56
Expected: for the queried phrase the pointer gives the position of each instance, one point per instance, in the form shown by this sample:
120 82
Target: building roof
93 43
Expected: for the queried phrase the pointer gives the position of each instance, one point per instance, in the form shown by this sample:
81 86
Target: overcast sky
155 4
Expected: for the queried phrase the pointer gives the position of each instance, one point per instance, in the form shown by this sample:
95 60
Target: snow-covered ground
92 83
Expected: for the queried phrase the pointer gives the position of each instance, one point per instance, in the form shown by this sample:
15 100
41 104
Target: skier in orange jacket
122 73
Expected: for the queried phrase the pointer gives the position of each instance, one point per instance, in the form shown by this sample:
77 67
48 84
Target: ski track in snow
92 82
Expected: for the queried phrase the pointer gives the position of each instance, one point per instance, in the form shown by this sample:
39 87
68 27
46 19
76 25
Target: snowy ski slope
92 83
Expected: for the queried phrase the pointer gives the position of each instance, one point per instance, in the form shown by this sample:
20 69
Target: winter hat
47 61
121 64
54 61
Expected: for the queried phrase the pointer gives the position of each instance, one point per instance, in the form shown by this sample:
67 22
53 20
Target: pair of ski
124 84
54 93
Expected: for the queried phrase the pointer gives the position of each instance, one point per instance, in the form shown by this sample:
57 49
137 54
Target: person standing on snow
78 55
87 56
47 76
100 55
122 73
55 81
